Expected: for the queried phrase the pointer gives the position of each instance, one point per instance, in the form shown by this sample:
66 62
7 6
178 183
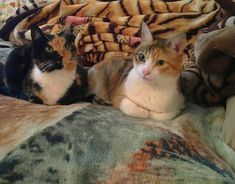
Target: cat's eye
141 57
67 46
49 49
161 62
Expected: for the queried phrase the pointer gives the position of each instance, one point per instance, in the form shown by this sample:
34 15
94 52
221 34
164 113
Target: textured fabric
213 83
98 144
14 11
13 8
105 30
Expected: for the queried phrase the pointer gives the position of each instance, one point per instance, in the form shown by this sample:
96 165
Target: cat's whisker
48 62
46 67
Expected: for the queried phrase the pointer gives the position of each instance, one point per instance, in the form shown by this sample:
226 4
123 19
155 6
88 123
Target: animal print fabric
13 8
113 28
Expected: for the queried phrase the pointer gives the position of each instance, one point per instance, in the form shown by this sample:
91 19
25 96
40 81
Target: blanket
84 143
113 28
214 62
13 11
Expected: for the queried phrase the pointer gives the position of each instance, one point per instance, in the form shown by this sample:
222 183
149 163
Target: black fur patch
76 93
17 66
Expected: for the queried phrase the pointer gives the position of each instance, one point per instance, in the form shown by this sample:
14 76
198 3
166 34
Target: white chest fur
154 97
54 84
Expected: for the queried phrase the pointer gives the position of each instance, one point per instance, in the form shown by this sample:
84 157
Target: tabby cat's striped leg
131 109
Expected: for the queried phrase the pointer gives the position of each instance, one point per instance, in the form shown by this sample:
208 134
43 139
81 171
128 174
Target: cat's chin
147 79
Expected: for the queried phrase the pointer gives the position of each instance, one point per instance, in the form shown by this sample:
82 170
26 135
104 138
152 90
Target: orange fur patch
173 60
68 60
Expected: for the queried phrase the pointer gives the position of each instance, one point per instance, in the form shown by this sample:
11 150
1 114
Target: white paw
163 116
131 109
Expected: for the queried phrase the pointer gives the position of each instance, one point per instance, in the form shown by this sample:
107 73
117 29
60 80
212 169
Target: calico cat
146 84
47 71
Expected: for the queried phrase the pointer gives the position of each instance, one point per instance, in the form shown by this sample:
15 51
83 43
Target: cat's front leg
131 109
228 131
163 115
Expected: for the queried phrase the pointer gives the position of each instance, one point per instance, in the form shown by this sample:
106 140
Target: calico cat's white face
159 59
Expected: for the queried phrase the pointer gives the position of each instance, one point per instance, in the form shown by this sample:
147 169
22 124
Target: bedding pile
106 29
84 143
13 11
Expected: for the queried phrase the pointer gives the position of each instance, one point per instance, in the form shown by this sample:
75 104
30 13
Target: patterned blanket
13 11
106 29
84 143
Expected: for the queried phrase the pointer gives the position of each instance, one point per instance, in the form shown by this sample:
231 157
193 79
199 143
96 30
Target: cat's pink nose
145 72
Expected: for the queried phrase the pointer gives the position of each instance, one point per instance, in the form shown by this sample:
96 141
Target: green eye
141 57
161 62
49 49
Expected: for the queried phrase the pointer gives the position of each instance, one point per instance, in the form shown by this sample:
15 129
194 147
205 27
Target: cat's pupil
141 57
49 49
67 46
160 62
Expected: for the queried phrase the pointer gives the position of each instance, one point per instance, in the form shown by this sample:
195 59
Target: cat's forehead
156 45
57 39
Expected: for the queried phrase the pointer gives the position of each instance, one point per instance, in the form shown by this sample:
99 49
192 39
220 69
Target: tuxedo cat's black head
52 52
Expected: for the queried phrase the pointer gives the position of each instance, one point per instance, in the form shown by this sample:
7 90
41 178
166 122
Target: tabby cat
47 71
146 84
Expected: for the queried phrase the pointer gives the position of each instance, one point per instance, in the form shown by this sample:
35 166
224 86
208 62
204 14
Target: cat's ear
178 43
146 35
37 34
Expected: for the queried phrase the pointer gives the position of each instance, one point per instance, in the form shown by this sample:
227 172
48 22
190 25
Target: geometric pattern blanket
85 143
